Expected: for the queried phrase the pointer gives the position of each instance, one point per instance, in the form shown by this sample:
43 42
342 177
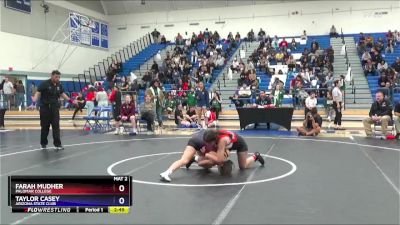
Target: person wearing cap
49 93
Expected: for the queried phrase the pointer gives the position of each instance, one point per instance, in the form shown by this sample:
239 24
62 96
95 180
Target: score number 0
121 200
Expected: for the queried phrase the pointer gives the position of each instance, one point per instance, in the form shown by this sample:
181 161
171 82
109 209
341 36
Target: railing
348 66
99 71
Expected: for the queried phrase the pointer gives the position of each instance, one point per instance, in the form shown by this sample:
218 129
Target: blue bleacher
390 58
136 61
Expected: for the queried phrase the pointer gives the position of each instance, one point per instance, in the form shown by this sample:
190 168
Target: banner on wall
19 5
87 31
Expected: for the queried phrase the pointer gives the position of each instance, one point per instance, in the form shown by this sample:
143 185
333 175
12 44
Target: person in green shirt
216 103
191 98
158 97
170 104
278 95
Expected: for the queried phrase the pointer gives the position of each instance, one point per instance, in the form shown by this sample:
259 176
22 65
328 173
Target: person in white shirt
235 65
311 102
365 57
8 91
102 99
337 105
220 61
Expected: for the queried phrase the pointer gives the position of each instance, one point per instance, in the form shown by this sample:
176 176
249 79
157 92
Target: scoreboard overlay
70 194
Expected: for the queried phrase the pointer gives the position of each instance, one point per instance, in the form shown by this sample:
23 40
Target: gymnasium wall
25 40
314 16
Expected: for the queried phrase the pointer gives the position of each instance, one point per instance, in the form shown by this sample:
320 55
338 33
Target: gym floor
305 180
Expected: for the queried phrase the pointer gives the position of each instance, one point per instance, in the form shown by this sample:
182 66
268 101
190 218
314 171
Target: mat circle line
293 169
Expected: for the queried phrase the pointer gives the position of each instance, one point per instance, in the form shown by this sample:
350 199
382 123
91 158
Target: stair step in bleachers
136 61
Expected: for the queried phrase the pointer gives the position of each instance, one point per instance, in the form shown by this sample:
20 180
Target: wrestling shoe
165 176
258 157
59 148
190 163
44 147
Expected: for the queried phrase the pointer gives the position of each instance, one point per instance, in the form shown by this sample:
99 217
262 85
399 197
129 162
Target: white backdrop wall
314 16
24 53
25 39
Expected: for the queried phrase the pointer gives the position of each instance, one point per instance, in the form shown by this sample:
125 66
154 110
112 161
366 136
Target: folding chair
103 121
391 128
90 121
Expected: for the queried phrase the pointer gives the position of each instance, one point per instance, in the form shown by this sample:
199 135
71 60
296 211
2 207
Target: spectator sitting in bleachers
291 62
126 84
382 66
283 45
279 57
293 45
390 47
369 41
179 39
396 65
261 34
396 37
163 40
250 36
393 77
235 65
365 57
128 111
244 91
237 36
369 69
134 88
379 45
253 81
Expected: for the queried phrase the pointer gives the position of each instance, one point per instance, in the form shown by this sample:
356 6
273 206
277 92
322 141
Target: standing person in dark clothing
155 35
116 101
381 111
203 102
3 106
80 104
20 95
49 93
337 105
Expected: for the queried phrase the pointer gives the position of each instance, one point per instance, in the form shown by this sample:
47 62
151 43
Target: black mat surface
336 180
